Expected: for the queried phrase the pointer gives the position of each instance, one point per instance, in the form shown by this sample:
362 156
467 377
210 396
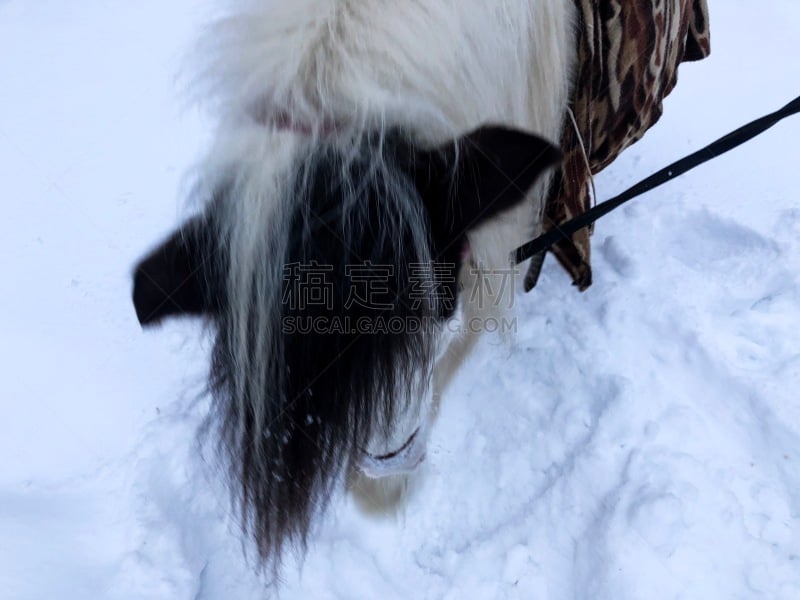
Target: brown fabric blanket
628 57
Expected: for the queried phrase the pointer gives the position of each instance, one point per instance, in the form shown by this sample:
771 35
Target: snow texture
640 440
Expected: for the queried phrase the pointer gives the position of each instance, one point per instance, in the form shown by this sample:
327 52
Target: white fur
438 68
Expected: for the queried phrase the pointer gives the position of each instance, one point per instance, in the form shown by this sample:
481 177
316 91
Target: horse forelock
333 337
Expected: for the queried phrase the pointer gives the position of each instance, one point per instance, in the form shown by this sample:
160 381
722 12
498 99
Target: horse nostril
393 454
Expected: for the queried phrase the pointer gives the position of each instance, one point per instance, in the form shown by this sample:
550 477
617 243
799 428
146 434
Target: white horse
375 161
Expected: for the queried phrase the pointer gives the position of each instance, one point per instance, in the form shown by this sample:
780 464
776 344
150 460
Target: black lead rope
721 146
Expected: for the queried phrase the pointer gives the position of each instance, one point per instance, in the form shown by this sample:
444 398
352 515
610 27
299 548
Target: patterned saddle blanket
628 57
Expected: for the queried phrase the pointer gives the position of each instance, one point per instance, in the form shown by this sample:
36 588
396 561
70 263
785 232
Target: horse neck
435 67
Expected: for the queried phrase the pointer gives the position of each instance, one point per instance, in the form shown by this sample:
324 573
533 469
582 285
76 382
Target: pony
375 163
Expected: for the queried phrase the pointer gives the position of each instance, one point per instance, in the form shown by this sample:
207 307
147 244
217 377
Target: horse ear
479 176
175 278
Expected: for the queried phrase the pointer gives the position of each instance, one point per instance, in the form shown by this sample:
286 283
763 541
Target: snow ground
641 440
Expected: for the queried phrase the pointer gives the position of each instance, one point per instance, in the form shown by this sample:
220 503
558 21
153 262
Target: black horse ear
177 277
479 176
